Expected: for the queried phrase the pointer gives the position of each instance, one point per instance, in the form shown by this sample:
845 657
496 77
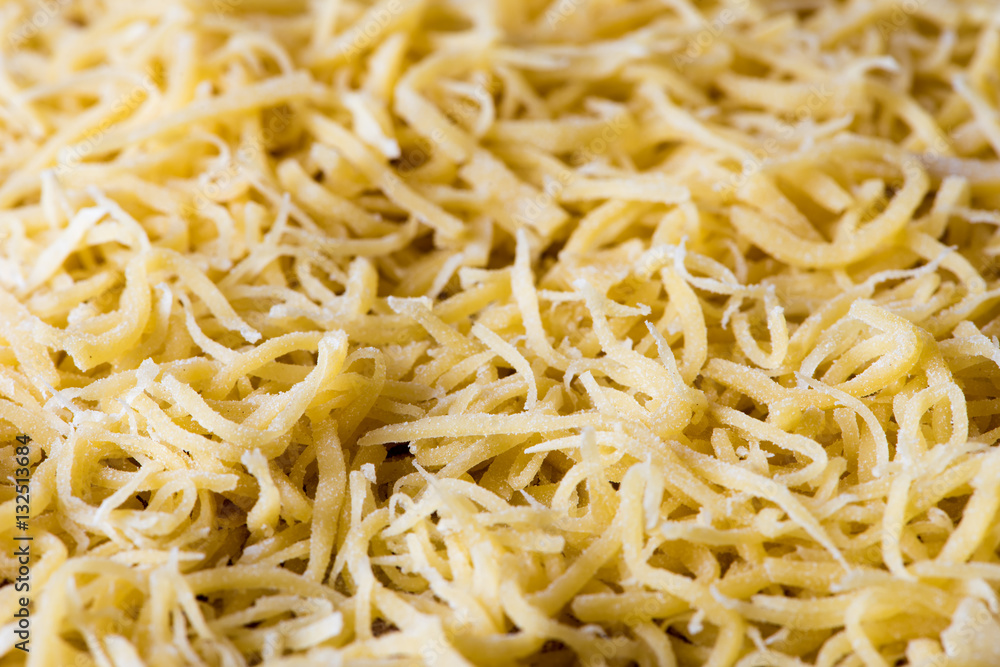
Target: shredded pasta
497 332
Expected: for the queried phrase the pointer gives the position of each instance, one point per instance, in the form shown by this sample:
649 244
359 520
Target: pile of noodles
450 332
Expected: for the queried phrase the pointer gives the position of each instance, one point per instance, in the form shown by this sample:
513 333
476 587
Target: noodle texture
500 332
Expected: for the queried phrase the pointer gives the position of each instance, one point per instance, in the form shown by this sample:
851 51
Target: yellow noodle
600 332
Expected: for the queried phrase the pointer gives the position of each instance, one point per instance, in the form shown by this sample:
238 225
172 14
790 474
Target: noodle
602 332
